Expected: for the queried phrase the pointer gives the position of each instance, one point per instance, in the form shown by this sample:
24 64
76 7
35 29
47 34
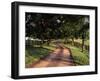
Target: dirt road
58 58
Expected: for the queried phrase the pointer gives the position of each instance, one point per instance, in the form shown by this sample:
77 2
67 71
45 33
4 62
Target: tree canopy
56 26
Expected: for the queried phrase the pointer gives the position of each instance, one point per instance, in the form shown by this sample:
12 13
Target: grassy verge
80 41
80 58
33 54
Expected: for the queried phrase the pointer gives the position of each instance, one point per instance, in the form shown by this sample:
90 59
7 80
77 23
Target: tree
71 26
43 26
56 26
83 32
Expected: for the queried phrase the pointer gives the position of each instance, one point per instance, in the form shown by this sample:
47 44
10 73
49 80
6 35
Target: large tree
56 26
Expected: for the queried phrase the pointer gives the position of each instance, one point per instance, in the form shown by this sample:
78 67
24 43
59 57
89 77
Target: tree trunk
65 42
83 39
73 41
48 42
82 45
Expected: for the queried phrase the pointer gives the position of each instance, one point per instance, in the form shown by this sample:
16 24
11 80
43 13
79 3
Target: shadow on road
61 56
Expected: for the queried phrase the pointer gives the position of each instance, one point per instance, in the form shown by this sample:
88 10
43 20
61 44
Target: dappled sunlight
56 39
59 57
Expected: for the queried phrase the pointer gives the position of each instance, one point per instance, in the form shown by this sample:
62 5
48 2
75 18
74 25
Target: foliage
52 26
48 27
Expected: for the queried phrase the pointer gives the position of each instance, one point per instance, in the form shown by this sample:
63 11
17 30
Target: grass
34 54
80 41
87 42
50 47
80 58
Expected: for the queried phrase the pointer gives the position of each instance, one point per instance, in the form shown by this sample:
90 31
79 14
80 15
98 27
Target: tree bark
65 41
83 39
48 42
72 41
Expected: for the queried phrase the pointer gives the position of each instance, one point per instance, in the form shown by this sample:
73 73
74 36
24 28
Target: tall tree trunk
73 41
83 39
48 42
82 45
65 41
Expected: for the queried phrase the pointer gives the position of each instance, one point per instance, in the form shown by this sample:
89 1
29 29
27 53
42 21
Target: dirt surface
58 58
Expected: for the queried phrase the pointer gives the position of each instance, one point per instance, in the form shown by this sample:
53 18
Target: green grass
80 41
50 47
34 54
80 58
87 42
